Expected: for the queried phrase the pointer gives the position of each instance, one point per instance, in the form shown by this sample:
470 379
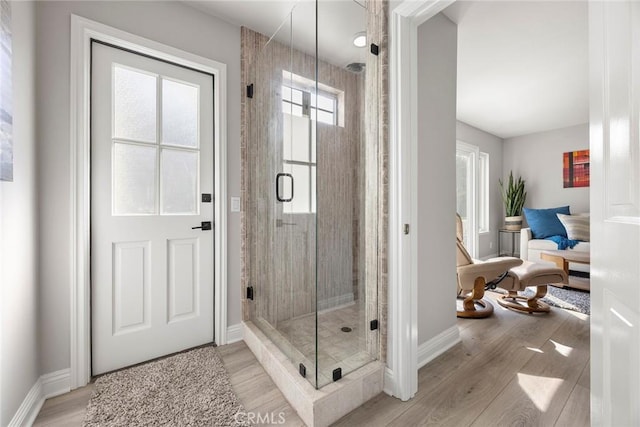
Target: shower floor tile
336 349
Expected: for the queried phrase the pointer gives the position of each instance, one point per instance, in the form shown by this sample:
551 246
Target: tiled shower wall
347 258
378 89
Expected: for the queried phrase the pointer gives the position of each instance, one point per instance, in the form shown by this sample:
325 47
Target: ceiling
522 65
338 22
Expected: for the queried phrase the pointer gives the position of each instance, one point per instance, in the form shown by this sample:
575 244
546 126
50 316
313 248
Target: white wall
171 23
19 228
437 52
538 159
491 145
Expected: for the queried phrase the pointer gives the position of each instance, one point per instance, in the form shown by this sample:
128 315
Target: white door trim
403 167
82 32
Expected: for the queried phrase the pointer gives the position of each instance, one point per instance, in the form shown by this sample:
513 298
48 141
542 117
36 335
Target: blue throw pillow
545 223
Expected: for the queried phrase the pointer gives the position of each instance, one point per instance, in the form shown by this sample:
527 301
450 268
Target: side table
513 233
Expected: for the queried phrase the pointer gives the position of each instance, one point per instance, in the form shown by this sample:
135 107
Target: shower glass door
312 193
282 186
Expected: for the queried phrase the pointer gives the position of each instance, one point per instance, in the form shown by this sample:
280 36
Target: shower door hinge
375 49
250 91
373 325
405 229
337 374
303 370
250 292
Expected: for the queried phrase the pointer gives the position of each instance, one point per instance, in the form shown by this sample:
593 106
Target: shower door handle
278 182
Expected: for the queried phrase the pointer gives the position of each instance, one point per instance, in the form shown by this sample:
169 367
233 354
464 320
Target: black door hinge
250 91
375 49
337 374
303 370
373 325
250 292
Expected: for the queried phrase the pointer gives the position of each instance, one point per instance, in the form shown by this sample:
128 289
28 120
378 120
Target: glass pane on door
284 253
179 113
134 179
179 181
134 104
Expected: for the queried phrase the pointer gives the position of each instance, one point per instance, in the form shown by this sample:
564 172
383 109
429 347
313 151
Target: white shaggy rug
187 389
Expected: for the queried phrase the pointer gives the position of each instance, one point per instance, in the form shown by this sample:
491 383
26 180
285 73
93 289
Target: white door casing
614 43
152 158
401 376
83 31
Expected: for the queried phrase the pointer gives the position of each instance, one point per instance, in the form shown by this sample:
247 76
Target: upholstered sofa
530 248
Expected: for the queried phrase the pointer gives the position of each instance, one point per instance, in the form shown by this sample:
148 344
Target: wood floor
510 369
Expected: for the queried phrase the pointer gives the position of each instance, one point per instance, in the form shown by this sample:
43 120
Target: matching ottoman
529 274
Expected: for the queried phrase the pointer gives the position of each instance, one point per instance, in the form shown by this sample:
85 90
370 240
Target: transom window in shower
321 107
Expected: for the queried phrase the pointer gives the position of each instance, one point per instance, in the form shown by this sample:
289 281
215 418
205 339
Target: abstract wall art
575 169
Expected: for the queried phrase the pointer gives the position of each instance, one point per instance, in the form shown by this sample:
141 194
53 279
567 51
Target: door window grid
166 198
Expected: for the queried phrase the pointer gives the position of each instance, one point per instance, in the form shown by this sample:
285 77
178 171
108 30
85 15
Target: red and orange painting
575 169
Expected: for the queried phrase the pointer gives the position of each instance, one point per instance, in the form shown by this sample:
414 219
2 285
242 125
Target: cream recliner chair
510 274
474 275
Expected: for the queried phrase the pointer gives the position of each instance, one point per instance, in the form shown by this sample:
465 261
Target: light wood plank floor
510 369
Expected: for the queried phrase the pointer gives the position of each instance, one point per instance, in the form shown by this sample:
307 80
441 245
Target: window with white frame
302 108
472 193
483 193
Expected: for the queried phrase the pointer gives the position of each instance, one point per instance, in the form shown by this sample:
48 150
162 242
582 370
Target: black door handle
206 225
278 196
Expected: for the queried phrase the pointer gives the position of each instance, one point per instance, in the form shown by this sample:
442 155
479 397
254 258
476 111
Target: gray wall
491 145
170 23
437 51
538 159
19 228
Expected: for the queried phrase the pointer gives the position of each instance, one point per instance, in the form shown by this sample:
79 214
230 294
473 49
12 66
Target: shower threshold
316 407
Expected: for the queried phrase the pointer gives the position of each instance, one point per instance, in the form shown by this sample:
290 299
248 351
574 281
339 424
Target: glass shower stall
311 187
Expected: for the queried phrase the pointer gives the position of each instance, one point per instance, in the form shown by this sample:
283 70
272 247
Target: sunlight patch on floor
539 389
562 349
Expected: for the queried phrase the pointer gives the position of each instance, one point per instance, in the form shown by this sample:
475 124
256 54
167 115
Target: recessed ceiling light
360 39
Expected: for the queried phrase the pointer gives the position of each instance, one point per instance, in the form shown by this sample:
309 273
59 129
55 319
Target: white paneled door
151 164
614 33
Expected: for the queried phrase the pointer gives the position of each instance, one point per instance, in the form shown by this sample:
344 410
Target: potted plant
513 197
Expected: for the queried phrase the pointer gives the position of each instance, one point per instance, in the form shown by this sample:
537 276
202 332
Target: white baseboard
56 383
389 382
28 410
234 333
437 345
48 385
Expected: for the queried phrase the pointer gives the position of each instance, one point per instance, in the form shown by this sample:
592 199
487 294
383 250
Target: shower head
356 67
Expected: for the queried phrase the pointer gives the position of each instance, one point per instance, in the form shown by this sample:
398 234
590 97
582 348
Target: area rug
187 389
569 298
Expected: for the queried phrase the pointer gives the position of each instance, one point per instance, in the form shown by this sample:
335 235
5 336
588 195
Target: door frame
401 378
82 32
